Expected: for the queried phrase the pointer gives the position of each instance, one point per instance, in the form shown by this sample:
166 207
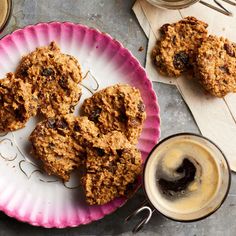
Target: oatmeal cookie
55 77
176 50
118 107
112 167
17 103
216 66
60 143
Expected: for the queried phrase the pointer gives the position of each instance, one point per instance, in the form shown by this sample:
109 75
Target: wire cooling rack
218 6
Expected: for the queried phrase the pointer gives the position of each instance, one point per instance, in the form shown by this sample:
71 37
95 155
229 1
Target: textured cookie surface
17 104
60 143
55 77
118 107
216 66
112 166
176 50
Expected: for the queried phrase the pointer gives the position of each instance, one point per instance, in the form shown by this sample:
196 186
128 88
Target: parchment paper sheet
215 117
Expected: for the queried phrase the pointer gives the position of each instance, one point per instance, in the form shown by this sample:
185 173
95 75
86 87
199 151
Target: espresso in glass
186 177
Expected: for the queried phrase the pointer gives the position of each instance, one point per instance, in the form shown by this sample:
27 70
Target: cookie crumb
140 49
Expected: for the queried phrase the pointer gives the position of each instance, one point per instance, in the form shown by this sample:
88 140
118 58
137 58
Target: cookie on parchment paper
216 66
176 50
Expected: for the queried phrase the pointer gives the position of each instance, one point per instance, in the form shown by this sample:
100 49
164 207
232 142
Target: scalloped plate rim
13 214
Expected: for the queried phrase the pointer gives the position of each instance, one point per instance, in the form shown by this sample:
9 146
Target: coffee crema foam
183 177
192 194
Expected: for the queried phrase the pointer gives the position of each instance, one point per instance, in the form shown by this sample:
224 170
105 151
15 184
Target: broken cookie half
17 103
176 50
112 167
61 143
216 66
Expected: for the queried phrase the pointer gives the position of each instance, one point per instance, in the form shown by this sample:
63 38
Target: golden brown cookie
176 50
119 107
112 167
216 66
55 77
60 143
17 103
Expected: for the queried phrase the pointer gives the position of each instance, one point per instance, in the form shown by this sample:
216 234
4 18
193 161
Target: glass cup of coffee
186 178
5 13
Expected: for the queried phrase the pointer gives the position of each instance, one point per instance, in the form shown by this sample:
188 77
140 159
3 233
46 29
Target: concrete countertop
116 18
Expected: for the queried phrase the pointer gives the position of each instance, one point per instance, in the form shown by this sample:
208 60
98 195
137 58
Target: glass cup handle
144 207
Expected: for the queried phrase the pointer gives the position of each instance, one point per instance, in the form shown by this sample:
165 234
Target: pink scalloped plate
28 194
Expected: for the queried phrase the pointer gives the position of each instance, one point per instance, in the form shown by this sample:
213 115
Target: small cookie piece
176 50
83 132
216 66
112 167
17 103
54 144
118 107
55 77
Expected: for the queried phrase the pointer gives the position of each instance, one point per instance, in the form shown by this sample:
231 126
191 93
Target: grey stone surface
116 18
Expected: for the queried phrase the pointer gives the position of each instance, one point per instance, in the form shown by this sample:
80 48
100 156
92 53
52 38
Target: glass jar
5 13
172 4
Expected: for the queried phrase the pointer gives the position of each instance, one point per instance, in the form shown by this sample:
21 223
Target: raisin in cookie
55 77
112 167
54 142
176 50
17 103
216 66
118 107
